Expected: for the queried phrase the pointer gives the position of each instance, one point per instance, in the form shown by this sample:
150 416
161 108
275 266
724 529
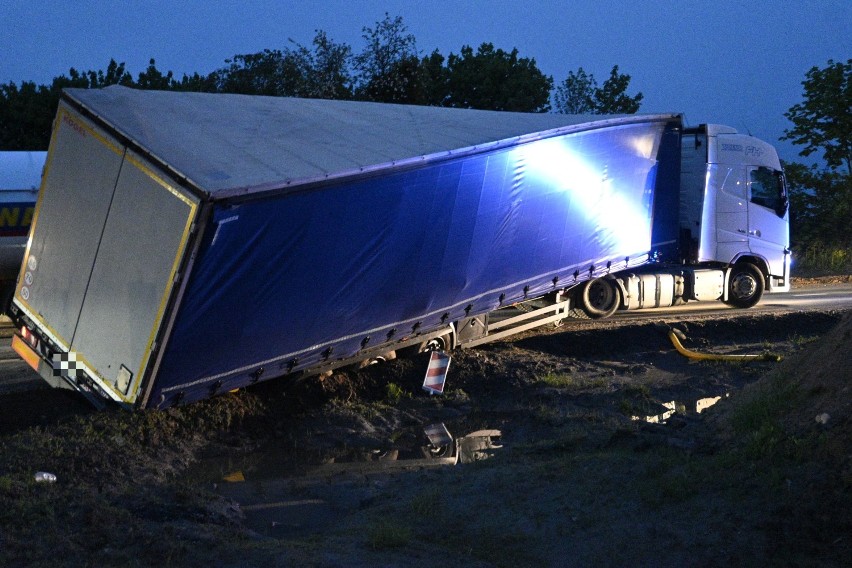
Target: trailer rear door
107 240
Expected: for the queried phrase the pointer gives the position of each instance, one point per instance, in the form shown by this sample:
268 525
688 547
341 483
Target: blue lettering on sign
732 148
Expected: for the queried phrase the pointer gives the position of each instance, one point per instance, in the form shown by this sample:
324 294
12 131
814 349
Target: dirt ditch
587 444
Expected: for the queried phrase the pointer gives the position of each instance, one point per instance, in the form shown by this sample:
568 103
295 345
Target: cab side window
766 188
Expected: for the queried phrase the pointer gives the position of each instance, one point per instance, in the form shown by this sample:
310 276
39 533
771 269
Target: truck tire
440 343
598 298
745 285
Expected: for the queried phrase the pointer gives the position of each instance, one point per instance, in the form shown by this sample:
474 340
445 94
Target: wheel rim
435 344
744 286
601 295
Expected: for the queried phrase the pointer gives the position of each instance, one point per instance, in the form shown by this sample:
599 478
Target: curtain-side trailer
186 244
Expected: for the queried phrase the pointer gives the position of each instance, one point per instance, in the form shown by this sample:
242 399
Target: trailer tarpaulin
334 225
285 280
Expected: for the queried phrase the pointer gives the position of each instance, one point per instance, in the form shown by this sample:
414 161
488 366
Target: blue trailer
186 244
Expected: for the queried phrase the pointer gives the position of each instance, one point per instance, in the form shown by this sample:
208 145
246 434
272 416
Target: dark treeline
389 68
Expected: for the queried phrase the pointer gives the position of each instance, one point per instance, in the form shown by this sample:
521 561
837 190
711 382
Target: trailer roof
229 145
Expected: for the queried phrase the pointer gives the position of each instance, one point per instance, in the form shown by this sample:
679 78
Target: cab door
727 185
768 217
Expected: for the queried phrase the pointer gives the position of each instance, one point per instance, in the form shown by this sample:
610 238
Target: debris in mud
45 477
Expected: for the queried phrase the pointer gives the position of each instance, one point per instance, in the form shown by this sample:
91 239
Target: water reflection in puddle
674 407
425 447
278 496
439 449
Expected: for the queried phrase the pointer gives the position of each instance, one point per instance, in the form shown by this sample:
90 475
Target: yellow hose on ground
713 357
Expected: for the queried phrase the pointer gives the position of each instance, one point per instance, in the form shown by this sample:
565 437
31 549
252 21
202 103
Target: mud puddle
281 492
685 407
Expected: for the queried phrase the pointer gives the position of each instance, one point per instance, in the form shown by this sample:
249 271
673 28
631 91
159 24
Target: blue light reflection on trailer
574 164
295 274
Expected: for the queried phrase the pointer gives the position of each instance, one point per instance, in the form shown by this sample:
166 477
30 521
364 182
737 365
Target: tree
388 67
494 79
820 211
579 94
197 83
821 196
611 97
262 73
576 94
26 112
153 79
823 120
321 72
326 69
433 80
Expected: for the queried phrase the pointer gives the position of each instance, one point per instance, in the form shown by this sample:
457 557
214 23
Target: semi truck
20 178
187 244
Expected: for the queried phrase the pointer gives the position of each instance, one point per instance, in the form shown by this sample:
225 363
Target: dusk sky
739 63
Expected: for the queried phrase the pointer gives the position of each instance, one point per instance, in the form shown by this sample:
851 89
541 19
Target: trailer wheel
598 298
440 343
745 286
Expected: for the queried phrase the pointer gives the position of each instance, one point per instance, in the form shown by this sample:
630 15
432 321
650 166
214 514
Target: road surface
837 296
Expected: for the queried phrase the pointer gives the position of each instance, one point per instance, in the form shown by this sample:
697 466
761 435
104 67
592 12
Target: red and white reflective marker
436 374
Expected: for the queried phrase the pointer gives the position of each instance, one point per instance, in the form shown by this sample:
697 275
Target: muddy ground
573 446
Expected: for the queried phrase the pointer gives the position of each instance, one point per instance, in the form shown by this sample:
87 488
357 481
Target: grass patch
385 535
673 477
395 393
800 341
568 381
428 504
758 419
821 259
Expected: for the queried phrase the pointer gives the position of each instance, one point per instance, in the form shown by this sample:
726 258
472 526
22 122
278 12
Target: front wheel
745 286
598 298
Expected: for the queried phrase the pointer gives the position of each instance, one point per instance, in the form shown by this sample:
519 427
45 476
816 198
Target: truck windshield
768 190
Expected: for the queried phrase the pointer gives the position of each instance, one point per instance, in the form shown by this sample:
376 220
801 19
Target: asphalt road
837 296
16 376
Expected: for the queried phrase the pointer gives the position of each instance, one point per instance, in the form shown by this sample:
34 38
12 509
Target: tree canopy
822 122
298 71
26 112
579 94
388 68
494 79
821 197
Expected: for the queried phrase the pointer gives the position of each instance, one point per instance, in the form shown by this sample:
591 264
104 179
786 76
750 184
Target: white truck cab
741 213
